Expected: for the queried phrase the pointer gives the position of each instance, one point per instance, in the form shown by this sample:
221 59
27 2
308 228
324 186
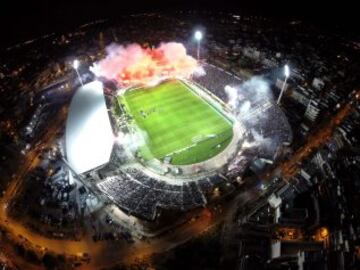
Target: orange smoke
134 65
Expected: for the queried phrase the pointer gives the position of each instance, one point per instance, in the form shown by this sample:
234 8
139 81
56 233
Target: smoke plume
243 97
246 101
134 65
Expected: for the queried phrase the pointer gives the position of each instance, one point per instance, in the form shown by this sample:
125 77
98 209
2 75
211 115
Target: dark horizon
21 22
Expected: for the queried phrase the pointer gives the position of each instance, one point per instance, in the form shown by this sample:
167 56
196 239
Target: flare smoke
134 65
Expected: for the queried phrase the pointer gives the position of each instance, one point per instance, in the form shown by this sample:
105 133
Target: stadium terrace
164 138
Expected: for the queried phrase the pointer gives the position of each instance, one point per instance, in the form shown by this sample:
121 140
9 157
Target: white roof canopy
89 136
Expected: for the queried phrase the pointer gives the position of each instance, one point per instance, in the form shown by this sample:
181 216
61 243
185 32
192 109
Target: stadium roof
89 136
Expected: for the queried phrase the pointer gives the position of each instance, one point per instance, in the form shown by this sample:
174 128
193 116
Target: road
315 141
115 251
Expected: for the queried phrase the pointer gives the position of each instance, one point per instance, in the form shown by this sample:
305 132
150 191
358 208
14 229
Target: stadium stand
215 80
262 110
141 195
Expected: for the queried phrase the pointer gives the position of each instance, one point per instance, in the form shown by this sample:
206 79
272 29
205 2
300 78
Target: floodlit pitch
180 126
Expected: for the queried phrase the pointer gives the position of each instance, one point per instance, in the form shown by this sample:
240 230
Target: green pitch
178 123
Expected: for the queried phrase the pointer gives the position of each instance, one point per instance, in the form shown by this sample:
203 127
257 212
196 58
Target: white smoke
257 140
133 141
243 97
245 108
244 100
232 94
252 90
199 71
260 139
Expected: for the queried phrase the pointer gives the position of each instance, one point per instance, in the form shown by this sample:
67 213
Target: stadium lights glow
76 65
198 37
287 71
287 74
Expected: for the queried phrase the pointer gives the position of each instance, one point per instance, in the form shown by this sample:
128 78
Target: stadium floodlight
287 74
76 65
286 71
198 37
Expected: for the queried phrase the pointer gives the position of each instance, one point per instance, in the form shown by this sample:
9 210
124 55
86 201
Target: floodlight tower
198 37
75 65
287 74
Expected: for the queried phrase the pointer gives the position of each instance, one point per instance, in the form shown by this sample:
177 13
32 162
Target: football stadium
154 137
182 127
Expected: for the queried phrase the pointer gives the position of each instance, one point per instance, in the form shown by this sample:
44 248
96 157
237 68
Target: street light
287 74
76 65
198 37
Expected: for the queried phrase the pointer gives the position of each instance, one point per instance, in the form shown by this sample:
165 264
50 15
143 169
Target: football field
180 126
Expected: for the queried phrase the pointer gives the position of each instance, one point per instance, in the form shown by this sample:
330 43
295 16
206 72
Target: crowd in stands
257 118
216 79
140 195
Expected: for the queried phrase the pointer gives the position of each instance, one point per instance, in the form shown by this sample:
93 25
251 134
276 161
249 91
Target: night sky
21 21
